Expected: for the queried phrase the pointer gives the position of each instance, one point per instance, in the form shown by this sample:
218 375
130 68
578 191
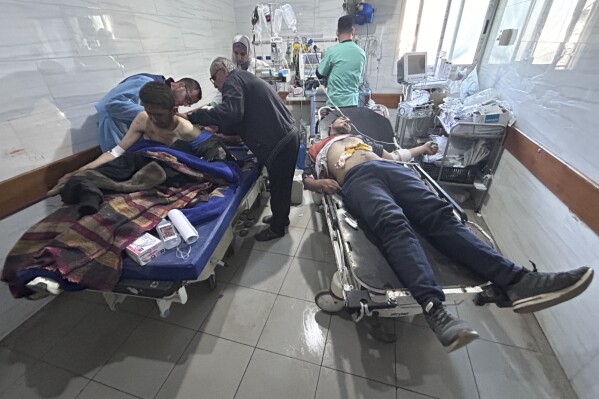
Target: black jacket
253 110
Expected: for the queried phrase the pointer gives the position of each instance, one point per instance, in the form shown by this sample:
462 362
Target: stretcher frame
350 293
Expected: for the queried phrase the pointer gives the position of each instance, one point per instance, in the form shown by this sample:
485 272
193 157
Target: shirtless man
392 200
159 122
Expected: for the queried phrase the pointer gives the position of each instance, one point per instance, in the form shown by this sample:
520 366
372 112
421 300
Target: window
457 27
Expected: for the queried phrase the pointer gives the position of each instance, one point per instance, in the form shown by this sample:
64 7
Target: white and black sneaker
452 332
537 291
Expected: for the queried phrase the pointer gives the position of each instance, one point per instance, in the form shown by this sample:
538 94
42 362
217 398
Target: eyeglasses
188 100
213 76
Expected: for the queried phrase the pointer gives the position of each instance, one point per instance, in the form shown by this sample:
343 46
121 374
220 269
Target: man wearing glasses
117 109
252 109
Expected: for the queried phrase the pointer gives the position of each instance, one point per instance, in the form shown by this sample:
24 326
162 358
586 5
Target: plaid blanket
87 251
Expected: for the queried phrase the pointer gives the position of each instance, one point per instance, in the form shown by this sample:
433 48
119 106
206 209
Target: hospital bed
364 283
164 279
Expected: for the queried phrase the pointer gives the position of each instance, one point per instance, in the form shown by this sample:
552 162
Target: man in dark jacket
253 110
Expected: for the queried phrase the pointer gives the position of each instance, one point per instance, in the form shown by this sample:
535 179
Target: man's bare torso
184 130
358 157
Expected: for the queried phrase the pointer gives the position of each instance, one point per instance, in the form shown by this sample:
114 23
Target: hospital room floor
259 334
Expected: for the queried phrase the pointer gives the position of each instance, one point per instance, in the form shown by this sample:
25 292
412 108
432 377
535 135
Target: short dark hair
345 24
156 93
191 85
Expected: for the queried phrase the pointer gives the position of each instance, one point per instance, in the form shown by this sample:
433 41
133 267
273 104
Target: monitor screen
411 67
416 64
311 59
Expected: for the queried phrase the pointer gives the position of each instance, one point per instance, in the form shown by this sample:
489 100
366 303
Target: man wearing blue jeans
394 203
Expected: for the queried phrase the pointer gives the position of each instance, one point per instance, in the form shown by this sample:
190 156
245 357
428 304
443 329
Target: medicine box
145 248
500 118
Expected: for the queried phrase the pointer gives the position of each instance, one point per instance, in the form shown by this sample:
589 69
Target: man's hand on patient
328 186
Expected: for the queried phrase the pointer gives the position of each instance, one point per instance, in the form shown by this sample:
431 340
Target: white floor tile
316 245
96 390
89 345
423 366
200 301
506 372
211 367
307 277
239 315
334 384
296 328
286 245
351 349
46 381
144 361
12 366
38 334
498 325
272 376
261 270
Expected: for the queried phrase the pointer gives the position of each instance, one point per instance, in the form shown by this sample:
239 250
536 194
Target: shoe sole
464 338
544 301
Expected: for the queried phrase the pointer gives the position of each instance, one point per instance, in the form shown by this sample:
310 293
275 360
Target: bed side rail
442 193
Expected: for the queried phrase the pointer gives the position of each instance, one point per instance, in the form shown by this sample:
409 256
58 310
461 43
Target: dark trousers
394 202
280 174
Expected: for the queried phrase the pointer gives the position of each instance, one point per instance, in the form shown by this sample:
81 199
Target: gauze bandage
117 151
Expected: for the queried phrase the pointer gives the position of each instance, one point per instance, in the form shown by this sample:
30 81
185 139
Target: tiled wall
58 57
557 108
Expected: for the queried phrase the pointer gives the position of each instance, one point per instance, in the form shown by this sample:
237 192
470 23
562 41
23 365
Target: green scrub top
343 65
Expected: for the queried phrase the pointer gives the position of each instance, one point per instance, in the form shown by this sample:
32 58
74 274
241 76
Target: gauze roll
183 226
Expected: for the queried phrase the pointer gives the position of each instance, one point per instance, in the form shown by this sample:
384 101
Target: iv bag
289 17
277 22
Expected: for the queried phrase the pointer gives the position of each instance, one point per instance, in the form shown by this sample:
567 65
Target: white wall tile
138 6
81 80
155 63
159 33
42 32
529 223
24 86
97 32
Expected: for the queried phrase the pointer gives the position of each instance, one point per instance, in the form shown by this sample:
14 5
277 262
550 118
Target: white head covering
245 42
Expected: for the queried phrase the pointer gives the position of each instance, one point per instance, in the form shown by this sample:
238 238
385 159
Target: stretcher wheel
327 303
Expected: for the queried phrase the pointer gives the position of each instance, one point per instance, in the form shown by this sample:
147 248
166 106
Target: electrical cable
354 126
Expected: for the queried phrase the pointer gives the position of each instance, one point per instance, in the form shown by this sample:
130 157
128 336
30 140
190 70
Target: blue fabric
118 108
229 171
394 203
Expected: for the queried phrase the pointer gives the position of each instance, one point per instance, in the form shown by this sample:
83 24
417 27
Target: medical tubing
357 130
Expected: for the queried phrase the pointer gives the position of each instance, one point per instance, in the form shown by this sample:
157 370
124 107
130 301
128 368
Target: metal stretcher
364 283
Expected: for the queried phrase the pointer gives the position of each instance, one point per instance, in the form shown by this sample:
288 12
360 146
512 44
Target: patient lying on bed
394 203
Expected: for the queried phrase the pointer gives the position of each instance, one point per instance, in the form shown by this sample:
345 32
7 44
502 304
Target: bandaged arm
405 155
133 134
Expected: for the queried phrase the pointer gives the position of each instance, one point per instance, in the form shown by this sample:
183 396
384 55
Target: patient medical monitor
309 64
411 67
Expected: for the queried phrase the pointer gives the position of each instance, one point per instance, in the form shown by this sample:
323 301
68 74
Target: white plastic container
168 234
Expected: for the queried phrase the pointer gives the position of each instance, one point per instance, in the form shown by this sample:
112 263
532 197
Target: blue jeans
393 201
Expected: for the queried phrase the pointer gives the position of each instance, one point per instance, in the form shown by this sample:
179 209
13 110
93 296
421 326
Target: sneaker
537 291
267 234
452 332
268 220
